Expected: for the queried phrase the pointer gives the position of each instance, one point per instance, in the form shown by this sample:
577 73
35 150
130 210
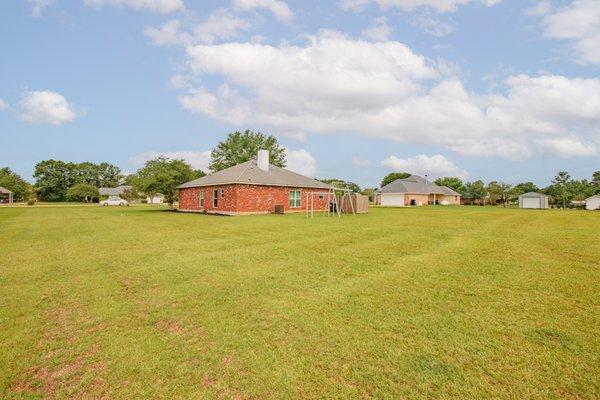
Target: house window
295 199
215 198
222 193
201 198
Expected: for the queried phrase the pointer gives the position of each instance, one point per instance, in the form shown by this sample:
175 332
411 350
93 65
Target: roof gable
248 173
417 184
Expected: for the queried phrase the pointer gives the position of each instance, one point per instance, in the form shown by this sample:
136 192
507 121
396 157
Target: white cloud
3 105
410 5
434 167
222 24
197 159
569 147
432 26
361 162
337 85
279 8
37 6
578 23
45 107
156 6
379 31
301 162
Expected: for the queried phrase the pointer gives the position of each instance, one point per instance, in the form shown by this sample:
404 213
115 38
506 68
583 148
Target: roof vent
263 160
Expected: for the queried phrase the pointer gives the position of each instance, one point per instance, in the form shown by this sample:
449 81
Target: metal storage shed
533 200
593 203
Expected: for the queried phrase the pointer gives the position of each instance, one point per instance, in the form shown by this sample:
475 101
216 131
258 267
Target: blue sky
491 89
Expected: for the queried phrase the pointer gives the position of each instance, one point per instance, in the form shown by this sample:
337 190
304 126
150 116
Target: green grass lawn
454 302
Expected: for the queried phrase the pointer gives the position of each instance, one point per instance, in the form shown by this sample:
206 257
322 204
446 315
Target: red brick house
252 187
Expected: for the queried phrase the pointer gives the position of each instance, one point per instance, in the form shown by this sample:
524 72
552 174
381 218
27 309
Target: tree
342 184
241 147
108 175
21 189
499 192
53 179
596 180
525 187
453 183
560 183
475 191
163 175
391 177
83 192
370 193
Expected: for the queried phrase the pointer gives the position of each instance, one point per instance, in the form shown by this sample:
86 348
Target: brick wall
246 199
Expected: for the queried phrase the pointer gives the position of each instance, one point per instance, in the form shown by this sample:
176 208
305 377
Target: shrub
30 202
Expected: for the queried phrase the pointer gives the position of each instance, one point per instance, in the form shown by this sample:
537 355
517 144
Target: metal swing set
333 206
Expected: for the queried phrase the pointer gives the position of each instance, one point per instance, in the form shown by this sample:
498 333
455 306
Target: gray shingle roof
4 190
533 195
248 173
114 191
416 184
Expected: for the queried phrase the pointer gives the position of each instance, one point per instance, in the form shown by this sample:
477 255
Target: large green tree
475 191
163 175
83 192
560 187
241 147
55 177
21 189
596 180
453 183
391 177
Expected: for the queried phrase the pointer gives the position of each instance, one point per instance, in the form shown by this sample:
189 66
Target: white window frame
201 198
297 201
215 198
222 193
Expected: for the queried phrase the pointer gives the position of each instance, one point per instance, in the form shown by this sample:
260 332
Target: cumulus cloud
197 159
301 162
46 107
410 5
3 105
380 30
569 147
434 167
278 8
432 26
156 6
578 23
336 84
38 6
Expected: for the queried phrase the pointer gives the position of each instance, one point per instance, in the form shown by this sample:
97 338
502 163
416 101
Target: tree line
58 180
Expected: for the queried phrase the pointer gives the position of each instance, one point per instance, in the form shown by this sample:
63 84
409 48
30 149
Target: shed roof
248 173
532 195
119 190
4 190
596 196
416 184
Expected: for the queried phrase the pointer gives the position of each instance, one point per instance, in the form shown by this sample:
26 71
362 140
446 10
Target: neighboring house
6 196
252 187
158 198
118 191
415 191
533 200
593 203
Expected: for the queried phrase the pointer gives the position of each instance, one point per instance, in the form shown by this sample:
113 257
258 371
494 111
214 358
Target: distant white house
158 198
593 203
533 200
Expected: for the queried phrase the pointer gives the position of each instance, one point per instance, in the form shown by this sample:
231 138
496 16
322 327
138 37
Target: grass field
463 302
